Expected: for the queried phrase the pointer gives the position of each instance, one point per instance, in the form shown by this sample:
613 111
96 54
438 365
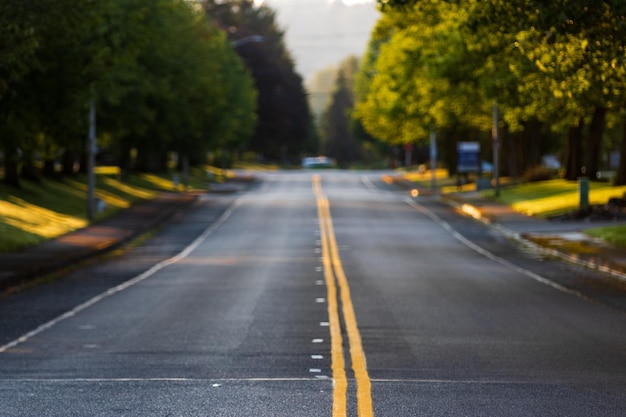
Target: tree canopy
163 76
558 66
284 130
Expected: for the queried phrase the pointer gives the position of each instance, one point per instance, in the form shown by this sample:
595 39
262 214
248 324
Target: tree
191 90
40 93
419 76
162 76
284 120
548 65
336 122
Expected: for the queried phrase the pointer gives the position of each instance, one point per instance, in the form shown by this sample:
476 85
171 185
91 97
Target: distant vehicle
317 162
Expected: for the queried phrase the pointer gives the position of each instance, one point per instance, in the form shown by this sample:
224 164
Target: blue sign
468 157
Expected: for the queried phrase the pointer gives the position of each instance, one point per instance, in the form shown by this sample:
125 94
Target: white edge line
490 255
157 379
553 252
368 183
127 284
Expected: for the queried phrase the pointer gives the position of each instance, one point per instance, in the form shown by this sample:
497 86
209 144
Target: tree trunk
49 169
68 163
596 130
620 177
573 154
532 145
11 175
511 150
29 171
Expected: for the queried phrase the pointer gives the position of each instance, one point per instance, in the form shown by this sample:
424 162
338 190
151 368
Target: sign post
496 150
433 160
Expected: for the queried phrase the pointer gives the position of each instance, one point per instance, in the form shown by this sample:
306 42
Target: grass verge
612 234
41 211
554 197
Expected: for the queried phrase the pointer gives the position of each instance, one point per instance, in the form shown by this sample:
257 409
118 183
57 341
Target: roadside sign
468 157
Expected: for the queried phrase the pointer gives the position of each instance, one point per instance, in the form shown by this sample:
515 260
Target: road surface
316 293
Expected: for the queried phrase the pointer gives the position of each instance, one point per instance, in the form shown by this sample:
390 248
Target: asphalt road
317 294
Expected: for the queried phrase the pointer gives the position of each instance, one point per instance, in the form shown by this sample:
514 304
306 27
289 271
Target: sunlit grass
255 166
107 170
160 181
549 198
612 234
426 175
37 220
41 211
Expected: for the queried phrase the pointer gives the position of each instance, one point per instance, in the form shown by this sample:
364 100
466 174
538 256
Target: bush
539 173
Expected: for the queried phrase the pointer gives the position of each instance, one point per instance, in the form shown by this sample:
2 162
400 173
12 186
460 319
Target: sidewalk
565 239
18 267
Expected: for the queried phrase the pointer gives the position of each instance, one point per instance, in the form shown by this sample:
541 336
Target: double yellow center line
336 282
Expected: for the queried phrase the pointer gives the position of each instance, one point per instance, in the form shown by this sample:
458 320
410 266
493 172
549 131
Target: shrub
538 173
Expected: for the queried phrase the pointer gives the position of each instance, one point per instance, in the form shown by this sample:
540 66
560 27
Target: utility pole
496 150
91 159
433 160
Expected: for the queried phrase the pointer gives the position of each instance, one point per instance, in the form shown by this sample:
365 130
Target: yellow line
332 261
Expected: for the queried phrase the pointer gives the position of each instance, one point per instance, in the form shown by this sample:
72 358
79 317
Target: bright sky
352 2
321 33
346 2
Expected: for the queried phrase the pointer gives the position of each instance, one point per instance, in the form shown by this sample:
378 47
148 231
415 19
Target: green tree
162 76
283 132
419 76
336 122
40 92
549 65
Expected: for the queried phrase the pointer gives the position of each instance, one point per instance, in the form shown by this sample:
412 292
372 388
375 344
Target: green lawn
612 234
545 199
41 211
549 198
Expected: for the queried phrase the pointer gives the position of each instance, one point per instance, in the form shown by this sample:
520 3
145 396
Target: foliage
539 173
438 65
284 119
164 79
335 124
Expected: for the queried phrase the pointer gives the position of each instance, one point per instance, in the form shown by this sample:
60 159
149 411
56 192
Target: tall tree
42 87
284 119
544 63
162 76
336 122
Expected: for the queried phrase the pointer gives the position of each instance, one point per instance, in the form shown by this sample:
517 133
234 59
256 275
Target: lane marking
340 388
220 381
158 379
125 285
335 277
491 256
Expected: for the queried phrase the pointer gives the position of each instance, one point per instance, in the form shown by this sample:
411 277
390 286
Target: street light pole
496 150
433 160
91 159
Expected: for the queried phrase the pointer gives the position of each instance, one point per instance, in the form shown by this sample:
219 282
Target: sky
352 2
321 33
